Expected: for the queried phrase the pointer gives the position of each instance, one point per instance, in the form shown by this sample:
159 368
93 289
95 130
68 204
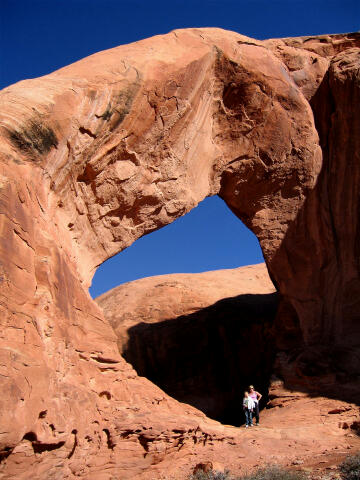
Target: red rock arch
101 152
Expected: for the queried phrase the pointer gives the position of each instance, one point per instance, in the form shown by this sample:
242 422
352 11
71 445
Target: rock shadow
208 358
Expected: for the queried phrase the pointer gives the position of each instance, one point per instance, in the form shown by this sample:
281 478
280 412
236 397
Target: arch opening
209 237
201 337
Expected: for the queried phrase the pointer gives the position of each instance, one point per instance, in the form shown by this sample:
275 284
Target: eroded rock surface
123 142
203 338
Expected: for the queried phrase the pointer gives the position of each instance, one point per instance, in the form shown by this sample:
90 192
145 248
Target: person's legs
250 418
256 413
247 417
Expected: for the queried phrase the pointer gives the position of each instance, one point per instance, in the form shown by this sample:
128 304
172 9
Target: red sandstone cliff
121 143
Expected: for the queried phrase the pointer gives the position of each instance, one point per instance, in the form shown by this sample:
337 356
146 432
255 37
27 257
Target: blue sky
39 36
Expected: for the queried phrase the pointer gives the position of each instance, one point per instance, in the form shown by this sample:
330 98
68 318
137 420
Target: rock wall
322 261
103 151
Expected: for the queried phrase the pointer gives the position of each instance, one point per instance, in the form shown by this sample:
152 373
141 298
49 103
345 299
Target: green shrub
274 472
350 467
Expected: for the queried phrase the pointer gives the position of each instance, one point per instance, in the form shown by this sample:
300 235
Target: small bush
350 467
274 472
201 475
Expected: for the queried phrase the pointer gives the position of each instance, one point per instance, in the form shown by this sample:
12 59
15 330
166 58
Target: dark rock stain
34 138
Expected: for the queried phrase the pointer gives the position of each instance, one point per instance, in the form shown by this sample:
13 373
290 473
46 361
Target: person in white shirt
248 407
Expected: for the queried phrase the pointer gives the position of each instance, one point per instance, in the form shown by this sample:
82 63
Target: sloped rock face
119 144
203 338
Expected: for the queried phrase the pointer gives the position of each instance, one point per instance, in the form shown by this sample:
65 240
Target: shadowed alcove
208 358
201 352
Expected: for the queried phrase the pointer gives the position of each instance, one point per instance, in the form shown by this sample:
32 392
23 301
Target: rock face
202 338
99 153
324 291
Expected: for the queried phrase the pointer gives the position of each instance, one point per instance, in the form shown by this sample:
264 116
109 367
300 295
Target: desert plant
274 472
201 475
350 467
270 472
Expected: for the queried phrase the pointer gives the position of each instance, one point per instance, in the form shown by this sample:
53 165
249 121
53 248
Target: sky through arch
209 237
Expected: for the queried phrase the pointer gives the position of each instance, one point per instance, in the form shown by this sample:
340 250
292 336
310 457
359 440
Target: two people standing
251 406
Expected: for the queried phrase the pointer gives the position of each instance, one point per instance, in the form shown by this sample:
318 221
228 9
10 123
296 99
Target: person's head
251 388
246 394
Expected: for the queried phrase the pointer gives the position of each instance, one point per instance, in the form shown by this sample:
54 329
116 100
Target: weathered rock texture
123 142
203 338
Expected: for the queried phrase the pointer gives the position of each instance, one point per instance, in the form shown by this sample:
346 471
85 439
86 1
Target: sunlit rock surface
99 153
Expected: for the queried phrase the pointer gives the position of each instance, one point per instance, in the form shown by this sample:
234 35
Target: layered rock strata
103 151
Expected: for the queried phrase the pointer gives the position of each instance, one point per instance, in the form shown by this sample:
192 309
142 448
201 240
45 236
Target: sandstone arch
101 152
